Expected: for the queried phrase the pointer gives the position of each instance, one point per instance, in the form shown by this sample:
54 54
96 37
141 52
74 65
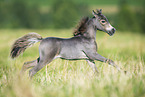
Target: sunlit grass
65 78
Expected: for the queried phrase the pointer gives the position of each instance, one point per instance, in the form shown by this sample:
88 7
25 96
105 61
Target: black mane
82 27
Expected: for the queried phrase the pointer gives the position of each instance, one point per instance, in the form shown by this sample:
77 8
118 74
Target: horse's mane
81 27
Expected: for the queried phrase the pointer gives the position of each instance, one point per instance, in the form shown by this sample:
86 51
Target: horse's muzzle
112 31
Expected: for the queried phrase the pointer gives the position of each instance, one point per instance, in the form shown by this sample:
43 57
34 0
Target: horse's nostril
113 30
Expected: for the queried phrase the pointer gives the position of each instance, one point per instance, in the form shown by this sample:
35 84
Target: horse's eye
103 21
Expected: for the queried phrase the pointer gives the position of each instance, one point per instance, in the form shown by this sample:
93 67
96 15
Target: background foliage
21 14
64 13
130 18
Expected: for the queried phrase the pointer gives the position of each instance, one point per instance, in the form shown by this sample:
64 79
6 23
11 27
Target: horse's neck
91 30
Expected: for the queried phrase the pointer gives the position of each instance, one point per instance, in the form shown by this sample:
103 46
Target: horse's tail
24 42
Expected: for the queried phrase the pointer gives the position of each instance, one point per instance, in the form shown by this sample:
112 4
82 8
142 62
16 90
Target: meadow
63 78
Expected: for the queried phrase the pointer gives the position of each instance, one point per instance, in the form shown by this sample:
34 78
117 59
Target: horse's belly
73 54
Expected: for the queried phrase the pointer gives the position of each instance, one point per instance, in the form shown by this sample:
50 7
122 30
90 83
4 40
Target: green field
63 78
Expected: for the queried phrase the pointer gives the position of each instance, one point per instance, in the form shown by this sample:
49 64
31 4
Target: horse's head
102 23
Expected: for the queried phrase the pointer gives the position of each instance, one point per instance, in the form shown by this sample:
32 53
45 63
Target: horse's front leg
98 57
93 66
110 62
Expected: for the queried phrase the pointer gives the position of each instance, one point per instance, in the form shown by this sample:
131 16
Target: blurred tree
21 14
141 16
126 18
18 14
64 13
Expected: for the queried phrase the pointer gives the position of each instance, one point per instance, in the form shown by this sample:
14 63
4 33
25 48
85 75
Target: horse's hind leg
48 49
45 58
29 64
39 66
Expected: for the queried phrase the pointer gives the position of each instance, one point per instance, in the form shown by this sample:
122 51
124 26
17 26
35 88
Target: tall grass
63 78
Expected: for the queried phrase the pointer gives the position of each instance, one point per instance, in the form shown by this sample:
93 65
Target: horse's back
66 48
49 46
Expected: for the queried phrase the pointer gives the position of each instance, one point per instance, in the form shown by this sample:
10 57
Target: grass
63 78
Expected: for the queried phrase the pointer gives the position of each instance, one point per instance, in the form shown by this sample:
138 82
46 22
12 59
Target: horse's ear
94 13
99 11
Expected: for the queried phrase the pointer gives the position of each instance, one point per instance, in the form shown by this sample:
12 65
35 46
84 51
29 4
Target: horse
82 46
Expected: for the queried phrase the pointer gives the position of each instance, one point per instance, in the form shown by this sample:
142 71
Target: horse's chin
110 33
